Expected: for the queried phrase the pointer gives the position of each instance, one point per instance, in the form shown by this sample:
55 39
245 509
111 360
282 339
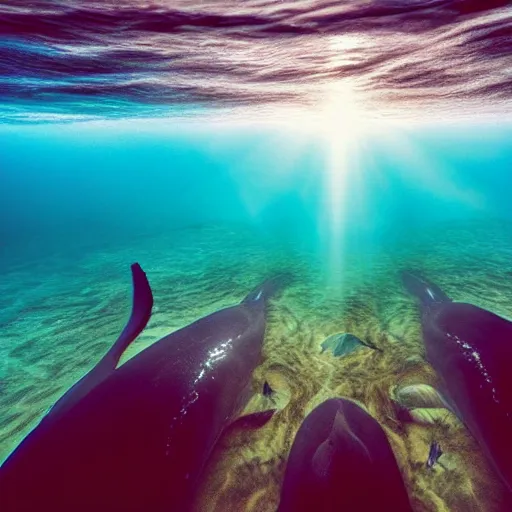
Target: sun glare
341 125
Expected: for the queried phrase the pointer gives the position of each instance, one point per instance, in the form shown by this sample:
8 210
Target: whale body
341 460
470 349
138 440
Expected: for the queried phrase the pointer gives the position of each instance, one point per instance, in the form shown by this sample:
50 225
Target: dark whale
139 439
341 460
470 349
142 304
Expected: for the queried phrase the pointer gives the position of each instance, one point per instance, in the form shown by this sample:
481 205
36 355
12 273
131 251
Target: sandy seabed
58 316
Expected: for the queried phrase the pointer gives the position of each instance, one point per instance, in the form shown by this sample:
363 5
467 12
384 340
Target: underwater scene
256 256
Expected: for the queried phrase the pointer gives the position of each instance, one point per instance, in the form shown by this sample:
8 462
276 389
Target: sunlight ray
342 126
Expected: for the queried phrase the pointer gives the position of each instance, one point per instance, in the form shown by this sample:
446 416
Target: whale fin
268 288
427 292
140 315
253 420
142 305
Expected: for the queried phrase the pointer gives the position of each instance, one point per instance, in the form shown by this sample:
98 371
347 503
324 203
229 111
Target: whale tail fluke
268 288
428 293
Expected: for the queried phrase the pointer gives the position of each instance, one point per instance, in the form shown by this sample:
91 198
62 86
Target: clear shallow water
341 195
209 211
114 181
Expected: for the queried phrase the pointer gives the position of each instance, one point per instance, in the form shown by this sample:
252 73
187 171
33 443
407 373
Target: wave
129 58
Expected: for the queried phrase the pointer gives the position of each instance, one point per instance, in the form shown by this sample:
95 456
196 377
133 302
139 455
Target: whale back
471 350
140 439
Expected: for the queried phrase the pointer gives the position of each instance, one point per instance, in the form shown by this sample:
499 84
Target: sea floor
59 314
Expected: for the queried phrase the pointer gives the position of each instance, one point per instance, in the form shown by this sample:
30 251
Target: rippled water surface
70 59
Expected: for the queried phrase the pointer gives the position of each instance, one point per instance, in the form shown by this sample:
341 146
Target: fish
341 459
434 454
140 438
470 350
342 344
267 390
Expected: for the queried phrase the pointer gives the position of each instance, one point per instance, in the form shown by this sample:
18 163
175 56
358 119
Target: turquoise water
210 210
84 183
218 144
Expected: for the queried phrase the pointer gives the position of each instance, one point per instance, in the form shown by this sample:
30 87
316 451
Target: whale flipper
142 304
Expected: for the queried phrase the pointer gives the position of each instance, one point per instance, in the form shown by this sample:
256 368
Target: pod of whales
341 460
471 351
136 438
